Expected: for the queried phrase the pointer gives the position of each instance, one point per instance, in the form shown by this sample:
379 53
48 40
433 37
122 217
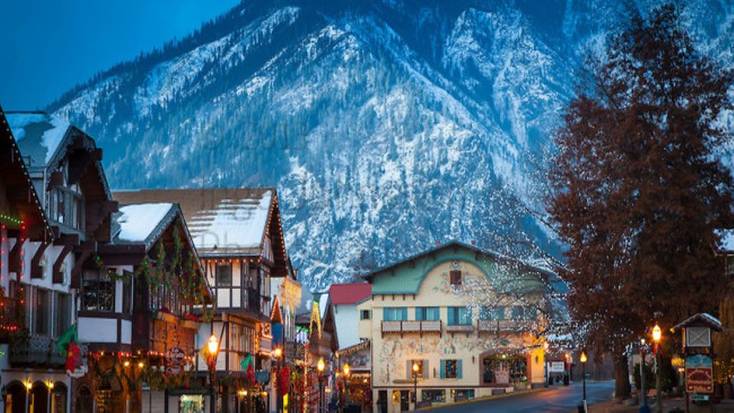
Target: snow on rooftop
233 223
138 221
32 129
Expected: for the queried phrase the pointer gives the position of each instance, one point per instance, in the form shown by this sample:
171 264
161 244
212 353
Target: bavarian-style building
455 322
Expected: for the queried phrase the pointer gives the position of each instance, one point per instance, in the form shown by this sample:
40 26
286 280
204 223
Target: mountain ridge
386 126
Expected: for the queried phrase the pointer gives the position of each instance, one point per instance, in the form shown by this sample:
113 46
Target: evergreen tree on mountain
638 189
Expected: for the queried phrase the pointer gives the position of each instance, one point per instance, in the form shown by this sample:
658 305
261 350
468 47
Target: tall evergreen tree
637 188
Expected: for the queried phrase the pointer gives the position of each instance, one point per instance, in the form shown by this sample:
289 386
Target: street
557 399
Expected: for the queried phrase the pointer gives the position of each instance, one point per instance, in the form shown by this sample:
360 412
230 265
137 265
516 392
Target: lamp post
657 335
212 348
415 384
643 391
345 370
278 355
320 366
583 360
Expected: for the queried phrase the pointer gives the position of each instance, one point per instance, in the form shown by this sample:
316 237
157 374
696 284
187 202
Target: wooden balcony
411 326
460 328
503 326
35 351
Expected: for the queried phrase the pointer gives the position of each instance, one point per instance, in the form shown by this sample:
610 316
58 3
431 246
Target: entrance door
404 400
382 401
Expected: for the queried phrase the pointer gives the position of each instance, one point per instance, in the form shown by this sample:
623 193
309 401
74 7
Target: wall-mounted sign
699 374
556 367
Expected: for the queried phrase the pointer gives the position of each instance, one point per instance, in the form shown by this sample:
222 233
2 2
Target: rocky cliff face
387 126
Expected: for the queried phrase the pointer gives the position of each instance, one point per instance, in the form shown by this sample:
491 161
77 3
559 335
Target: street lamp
346 369
320 366
583 360
278 354
415 383
212 348
657 336
643 391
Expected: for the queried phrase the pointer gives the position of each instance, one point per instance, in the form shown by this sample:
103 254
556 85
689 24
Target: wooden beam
36 271
86 251
57 275
14 258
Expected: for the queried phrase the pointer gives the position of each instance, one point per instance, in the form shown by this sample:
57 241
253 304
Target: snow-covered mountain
387 126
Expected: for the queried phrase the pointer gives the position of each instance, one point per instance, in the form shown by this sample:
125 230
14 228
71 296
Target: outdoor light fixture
126 363
345 369
213 345
49 384
320 366
583 357
141 365
278 352
28 384
583 360
657 333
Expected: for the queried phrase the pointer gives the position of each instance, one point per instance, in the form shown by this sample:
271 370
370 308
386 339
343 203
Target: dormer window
455 278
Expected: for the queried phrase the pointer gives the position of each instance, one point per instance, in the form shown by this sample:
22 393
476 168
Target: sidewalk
726 406
485 398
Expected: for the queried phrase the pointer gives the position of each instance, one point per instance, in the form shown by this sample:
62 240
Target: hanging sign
699 374
175 360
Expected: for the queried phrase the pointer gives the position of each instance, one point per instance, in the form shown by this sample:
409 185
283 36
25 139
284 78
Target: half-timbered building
63 165
238 235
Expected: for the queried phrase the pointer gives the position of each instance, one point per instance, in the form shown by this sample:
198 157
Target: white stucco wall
346 317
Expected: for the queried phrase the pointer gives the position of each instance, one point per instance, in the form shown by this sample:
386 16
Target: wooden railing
412 326
503 325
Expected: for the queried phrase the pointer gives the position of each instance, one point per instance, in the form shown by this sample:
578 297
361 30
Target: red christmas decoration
284 380
73 357
250 375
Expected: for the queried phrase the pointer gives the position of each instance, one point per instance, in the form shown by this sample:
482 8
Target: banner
699 374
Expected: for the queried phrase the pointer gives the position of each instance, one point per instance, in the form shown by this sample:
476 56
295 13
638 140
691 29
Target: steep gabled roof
351 293
143 223
39 135
222 221
25 204
44 141
415 268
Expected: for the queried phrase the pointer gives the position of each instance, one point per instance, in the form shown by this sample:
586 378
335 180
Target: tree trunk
621 377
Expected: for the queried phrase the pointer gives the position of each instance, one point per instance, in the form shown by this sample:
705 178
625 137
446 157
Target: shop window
463 394
433 395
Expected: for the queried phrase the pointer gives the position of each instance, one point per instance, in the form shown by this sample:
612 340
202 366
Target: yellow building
455 323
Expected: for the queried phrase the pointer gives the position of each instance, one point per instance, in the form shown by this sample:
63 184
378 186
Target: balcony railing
459 328
504 326
35 351
411 326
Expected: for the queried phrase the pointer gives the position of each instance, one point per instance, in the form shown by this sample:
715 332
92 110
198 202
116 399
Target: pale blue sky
48 46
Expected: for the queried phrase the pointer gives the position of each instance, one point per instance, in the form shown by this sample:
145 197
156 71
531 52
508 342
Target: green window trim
459 316
427 313
395 313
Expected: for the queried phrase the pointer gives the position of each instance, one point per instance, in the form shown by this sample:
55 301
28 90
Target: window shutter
443 369
452 315
404 312
426 370
458 369
408 370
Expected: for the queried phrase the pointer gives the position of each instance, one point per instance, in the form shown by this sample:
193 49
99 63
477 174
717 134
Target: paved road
556 399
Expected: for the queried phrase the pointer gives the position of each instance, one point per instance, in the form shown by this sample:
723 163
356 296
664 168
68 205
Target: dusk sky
48 46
